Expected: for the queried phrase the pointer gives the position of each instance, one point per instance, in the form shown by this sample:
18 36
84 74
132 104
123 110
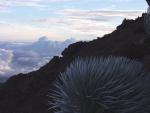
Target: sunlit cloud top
27 20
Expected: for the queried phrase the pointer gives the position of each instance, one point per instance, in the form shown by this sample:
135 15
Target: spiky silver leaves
99 85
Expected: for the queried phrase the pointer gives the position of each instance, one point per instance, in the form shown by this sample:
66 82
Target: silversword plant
101 85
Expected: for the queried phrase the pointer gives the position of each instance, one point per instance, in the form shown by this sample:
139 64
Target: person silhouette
148 1
147 19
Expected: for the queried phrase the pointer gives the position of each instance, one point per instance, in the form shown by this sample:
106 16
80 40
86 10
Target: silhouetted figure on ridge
148 10
148 1
147 19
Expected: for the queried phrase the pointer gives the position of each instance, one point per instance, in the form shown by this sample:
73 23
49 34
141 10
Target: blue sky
27 20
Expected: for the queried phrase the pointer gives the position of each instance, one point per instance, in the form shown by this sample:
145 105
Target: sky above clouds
27 20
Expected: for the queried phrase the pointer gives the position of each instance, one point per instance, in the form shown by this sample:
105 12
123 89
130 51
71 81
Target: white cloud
5 60
25 57
98 14
11 3
28 3
60 0
121 0
81 24
22 32
4 9
88 24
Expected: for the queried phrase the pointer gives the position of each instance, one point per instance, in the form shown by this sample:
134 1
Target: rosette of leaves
101 85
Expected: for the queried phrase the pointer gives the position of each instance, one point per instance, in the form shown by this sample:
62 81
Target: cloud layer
5 60
27 3
25 57
88 24
82 19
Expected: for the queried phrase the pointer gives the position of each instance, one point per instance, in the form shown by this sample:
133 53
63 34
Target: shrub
100 85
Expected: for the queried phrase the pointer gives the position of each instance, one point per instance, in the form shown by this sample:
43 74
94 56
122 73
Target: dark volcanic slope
26 93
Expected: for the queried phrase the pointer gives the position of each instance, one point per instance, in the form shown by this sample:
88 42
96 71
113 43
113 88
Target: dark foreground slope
27 93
